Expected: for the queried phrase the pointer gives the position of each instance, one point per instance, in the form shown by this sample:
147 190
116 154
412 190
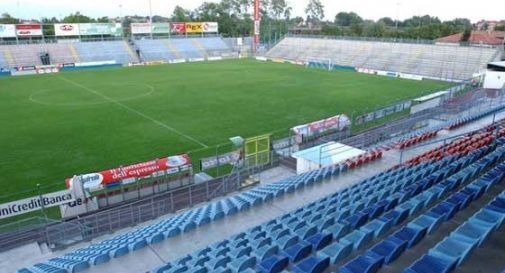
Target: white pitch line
134 111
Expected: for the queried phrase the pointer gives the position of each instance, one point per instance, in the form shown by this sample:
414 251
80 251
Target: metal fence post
171 201
207 190
41 202
190 190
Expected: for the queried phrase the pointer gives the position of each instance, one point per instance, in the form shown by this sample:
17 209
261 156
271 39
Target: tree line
235 19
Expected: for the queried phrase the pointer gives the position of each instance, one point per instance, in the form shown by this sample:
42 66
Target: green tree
466 35
387 21
8 19
278 8
315 11
346 19
78 18
181 15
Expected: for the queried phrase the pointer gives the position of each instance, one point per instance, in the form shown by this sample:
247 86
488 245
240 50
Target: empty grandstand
182 48
429 60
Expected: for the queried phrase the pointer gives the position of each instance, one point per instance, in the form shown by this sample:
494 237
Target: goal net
319 63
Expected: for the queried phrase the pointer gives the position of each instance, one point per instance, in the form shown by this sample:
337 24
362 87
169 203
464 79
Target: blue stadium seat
358 238
274 264
430 264
410 235
241 264
472 233
320 240
312 264
298 251
452 250
336 251
362 264
389 249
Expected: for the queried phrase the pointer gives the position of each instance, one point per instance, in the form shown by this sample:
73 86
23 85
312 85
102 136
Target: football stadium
251 136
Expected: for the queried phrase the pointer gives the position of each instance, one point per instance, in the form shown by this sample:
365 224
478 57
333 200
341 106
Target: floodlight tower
256 41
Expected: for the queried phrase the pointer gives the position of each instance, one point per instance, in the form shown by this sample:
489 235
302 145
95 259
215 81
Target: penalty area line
124 106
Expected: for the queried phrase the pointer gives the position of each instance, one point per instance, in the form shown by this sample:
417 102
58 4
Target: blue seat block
274 264
161 269
241 264
198 269
172 232
445 209
426 221
336 251
453 250
298 251
198 261
138 244
488 217
430 264
362 264
240 252
357 219
306 231
156 238
189 226
410 235
320 240
389 249
471 233
397 215
312 264
374 211
378 227
177 269
358 238
339 230
261 242
215 263
266 252
287 241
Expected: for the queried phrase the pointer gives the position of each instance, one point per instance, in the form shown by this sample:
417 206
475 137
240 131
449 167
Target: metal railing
60 234
381 39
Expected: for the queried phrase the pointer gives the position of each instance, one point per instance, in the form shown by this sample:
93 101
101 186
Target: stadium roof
477 37
497 66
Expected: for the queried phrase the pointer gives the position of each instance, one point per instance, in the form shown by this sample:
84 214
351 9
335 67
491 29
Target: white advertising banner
7 31
66 29
35 203
210 27
141 28
27 30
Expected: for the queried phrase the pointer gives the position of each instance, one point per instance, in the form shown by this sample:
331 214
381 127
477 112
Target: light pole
151 18
121 18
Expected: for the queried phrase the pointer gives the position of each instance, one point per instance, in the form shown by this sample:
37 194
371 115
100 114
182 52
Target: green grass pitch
55 126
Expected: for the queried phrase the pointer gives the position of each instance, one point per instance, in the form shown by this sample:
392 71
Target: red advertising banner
26 30
339 122
125 175
178 27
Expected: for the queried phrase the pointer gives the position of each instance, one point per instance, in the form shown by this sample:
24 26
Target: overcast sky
370 9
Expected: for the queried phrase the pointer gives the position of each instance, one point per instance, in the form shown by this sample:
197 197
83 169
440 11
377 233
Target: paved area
173 248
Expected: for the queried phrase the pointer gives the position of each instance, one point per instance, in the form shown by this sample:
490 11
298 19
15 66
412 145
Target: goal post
319 63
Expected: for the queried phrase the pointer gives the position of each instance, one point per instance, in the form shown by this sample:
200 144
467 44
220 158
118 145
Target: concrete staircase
129 49
199 46
75 54
173 49
8 57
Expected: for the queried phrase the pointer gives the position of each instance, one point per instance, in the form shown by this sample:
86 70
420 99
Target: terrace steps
172 49
199 46
132 54
75 54
8 56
